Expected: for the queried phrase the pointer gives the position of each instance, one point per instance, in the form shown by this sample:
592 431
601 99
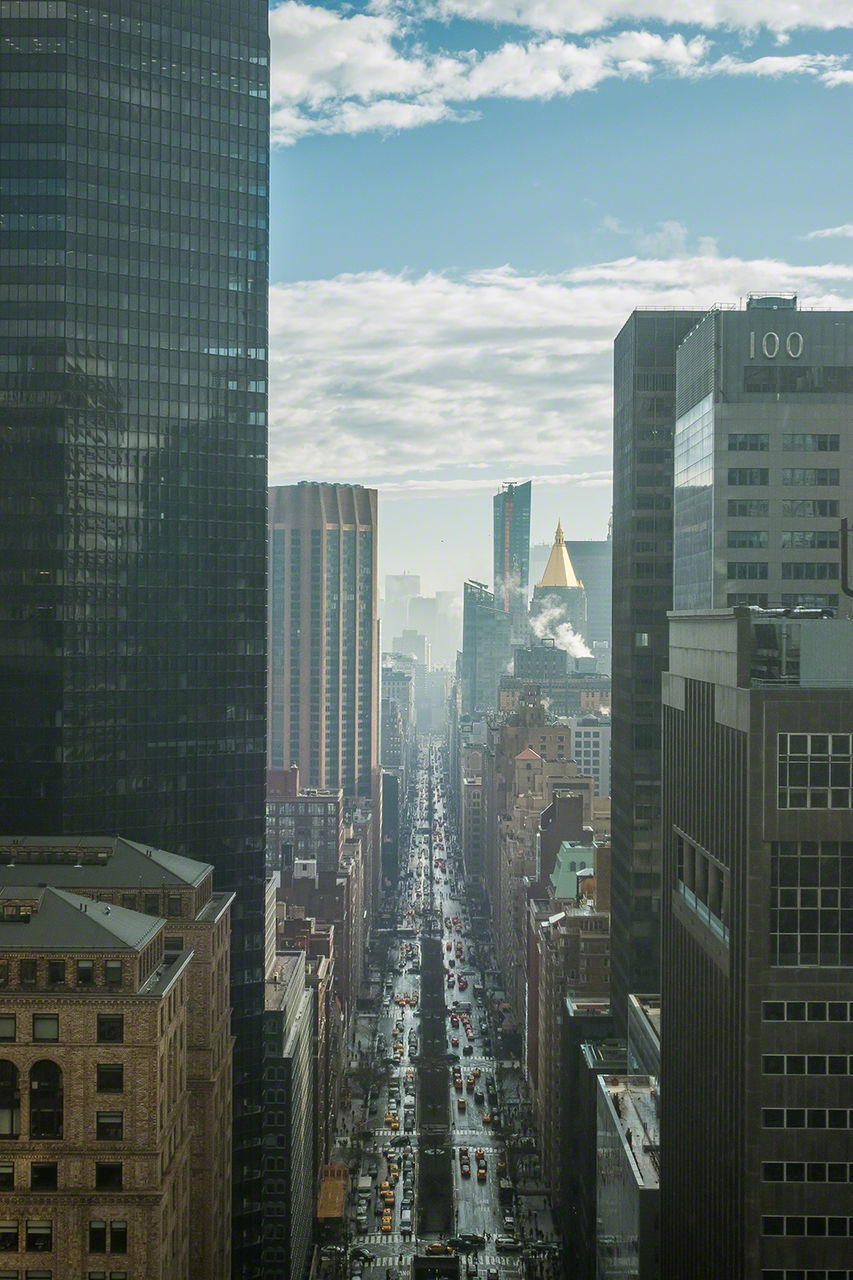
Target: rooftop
120 863
633 1100
51 919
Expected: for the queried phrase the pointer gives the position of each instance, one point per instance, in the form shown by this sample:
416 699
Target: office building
302 823
133 370
757 946
485 648
511 513
591 749
115 1084
290 1177
643 425
628 1236
323 658
559 599
763 457
593 563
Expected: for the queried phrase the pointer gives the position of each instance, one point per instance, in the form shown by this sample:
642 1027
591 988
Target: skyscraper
324 660
643 423
511 507
763 457
757 947
559 599
485 648
133 258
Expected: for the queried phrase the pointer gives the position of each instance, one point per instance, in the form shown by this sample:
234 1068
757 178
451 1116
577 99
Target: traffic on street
427 1135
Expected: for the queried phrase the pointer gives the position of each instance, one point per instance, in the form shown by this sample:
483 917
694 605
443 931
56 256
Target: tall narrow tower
643 424
512 555
324 663
134 146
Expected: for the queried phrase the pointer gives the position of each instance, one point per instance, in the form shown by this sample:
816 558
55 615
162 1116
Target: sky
468 199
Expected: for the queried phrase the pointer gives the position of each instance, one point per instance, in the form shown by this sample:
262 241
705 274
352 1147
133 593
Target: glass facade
693 512
133 376
511 548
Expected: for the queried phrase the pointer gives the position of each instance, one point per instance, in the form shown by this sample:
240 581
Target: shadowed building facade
133 372
643 425
511 511
757 947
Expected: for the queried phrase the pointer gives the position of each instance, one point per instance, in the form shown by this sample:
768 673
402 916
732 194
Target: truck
365 1185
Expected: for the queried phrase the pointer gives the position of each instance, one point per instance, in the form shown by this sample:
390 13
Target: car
438 1247
400 1140
473 1237
386 1225
492 1273
507 1244
509 1224
454 1040
363 1255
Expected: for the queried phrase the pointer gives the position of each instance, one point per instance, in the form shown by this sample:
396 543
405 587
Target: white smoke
548 625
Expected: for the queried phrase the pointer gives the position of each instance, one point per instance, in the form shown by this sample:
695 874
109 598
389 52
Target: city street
383 1134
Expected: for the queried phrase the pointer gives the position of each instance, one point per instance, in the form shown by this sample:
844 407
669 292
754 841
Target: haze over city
468 198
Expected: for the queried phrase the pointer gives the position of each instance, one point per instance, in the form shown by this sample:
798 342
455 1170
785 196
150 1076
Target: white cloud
828 233
341 72
444 382
579 17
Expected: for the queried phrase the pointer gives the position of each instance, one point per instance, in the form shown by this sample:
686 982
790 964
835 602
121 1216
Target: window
810 508
118 1237
10 1100
814 476
110 1077
128 901
109 1126
28 973
85 973
9 1237
810 539
173 904
748 442
46 1026
97 1237
173 943
112 973
749 475
7 1026
747 538
55 972
43 1177
7 1175
4 973
152 904
110 1028
108 1176
749 508
46 1100
810 442
738 570
811 570
39 1237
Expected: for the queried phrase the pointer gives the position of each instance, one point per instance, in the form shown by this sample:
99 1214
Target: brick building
116 1068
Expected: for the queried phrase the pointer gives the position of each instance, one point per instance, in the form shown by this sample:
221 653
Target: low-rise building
628 1178
114 991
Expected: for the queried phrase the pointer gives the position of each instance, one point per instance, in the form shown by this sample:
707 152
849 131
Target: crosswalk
394 1239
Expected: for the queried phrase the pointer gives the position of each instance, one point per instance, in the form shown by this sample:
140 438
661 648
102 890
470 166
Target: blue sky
470 196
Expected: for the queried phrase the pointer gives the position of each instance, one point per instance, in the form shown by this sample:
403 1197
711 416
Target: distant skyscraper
593 563
643 423
485 649
133 333
324 663
757 947
512 554
763 457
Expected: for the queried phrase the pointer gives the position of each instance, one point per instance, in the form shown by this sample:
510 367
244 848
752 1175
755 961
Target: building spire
559 571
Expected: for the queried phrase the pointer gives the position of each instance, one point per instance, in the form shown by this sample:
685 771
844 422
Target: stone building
157 965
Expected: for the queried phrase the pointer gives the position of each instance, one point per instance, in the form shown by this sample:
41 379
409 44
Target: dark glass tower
133 366
643 424
511 512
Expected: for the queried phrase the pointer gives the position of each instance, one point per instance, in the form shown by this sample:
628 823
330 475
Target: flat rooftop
634 1103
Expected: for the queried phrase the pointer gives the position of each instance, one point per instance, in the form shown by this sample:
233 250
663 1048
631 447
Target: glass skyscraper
133 366
511 549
